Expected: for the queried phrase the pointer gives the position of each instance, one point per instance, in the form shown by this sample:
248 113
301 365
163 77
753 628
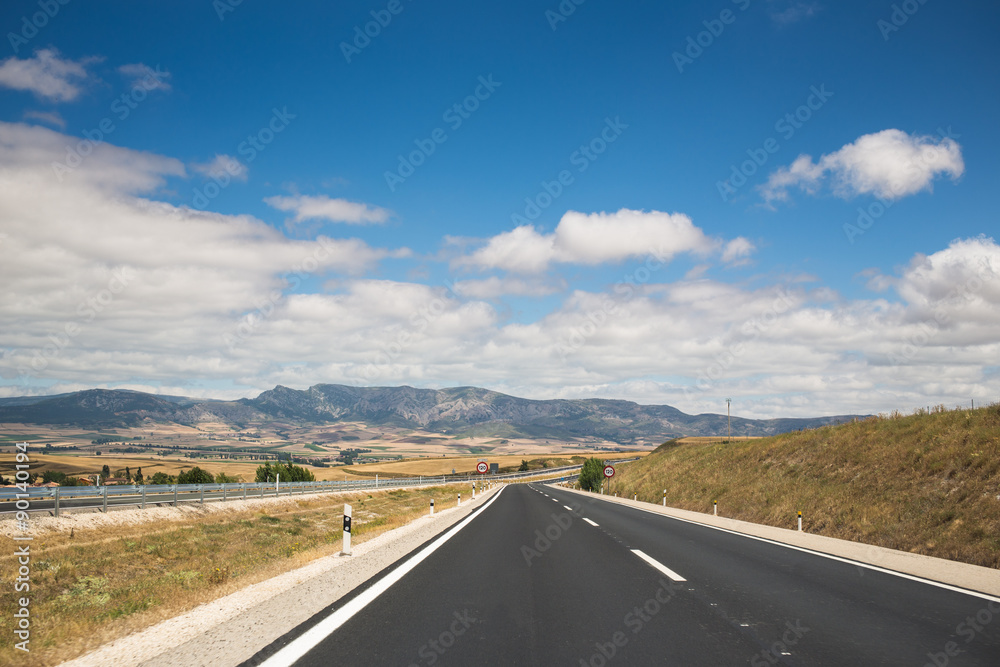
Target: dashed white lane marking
569 508
659 566
589 521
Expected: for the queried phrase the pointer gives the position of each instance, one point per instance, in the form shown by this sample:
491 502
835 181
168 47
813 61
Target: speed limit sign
609 471
482 467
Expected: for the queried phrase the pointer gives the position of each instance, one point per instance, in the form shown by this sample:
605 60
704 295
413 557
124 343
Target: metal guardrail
168 493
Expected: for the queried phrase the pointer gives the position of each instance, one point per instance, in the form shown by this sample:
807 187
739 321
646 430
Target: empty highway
541 576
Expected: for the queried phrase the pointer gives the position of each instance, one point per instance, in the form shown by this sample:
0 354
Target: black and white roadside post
277 485
664 497
432 507
347 531
460 500
800 521
715 508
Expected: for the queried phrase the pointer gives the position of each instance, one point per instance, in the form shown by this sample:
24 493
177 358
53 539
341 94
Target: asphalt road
529 582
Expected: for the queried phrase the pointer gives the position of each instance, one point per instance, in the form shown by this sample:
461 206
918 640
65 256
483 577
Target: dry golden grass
98 585
927 483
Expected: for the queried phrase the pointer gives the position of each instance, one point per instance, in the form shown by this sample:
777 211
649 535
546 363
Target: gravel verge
231 629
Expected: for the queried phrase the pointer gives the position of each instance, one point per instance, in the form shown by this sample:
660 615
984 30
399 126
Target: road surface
540 576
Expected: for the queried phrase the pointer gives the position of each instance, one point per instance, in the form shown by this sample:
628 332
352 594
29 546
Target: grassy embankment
927 483
92 586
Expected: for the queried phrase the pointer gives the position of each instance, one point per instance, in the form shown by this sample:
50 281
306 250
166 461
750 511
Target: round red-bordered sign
609 471
482 467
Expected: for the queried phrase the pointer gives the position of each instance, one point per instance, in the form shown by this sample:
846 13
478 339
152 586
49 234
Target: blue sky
715 159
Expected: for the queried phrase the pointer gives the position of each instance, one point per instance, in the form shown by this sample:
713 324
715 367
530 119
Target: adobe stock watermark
581 158
121 109
265 304
544 538
22 583
87 311
930 328
30 26
635 621
249 149
786 126
699 43
432 651
362 37
970 628
780 649
749 331
900 14
562 12
455 116
419 321
869 215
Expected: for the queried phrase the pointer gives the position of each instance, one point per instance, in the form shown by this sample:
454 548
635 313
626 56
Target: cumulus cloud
47 75
890 164
221 165
334 210
737 250
592 239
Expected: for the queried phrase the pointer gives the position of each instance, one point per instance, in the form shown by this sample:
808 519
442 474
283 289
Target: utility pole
729 418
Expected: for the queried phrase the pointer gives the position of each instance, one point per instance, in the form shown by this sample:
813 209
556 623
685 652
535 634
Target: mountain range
469 411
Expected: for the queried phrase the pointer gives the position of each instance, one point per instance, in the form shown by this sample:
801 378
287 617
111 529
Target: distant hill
456 411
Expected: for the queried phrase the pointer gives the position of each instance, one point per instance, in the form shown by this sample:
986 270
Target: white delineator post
800 521
432 507
664 497
347 531
460 500
715 508
277 484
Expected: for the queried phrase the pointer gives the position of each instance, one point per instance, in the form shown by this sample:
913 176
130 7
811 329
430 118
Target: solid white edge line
592 523
875 568
659 566
312 637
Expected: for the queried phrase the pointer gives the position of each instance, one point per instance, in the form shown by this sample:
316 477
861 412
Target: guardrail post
143 496
261 490
244 485
223 493
56 492
201 488
105 498
376 480
175 495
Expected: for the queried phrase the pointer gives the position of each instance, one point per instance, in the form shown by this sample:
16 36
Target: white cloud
335 210
50 117
46 74
495 287
785 12
145 76
592 239
738 250
221 165
890 164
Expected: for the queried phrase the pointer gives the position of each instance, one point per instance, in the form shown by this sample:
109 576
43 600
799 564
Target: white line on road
589 521
856 563
659 566
569 508
307 641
